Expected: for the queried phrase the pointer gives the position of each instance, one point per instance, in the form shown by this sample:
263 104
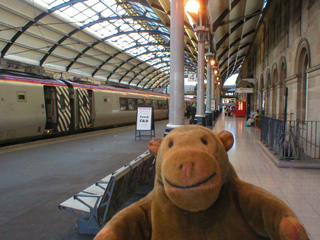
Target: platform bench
95 205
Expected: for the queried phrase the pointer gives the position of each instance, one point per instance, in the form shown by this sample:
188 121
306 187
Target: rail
292 139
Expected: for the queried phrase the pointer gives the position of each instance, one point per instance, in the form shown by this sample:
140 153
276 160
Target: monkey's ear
154 145
227 139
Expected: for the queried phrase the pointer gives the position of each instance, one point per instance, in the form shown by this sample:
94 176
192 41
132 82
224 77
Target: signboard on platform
144 118
240 109
145 121
244 90
192 77
213 104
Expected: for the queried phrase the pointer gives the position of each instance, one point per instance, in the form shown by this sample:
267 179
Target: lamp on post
219 86
202 32
211 62
192 6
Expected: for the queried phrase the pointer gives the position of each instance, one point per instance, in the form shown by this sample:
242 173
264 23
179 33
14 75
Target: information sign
144 118
213 104
244 90
145 121
192 77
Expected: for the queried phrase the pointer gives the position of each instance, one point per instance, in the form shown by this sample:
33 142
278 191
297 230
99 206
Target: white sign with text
144 118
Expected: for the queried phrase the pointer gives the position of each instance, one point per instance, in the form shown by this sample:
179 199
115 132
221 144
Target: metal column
218 97
214 94
209 90
176 113
200 116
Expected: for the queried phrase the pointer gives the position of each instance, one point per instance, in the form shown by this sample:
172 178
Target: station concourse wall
286 54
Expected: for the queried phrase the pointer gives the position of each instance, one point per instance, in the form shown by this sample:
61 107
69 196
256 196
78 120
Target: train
35 106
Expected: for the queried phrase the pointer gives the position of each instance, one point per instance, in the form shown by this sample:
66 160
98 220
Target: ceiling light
192 6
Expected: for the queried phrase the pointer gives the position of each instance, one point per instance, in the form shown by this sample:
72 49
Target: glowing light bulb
212 62
192 6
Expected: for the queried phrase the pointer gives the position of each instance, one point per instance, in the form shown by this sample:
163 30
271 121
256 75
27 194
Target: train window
21 96
161 104
123 104
141 102
165 105
148 102
155 104
132 104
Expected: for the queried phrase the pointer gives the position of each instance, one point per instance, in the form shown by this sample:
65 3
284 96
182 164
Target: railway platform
36 177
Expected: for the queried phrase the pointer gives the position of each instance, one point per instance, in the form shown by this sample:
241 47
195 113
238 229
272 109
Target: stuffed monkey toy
198 196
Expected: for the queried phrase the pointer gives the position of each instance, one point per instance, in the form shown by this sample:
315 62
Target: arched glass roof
125 42
114 40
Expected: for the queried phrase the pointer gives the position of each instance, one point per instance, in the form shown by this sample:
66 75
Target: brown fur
197 195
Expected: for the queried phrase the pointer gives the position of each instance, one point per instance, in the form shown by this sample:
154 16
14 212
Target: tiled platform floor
36 177
300 188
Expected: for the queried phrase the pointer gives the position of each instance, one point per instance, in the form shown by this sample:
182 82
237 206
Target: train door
91 105
63 109
72 104
3 110
85 108
51 108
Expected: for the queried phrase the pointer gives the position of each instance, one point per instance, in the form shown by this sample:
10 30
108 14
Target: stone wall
286 54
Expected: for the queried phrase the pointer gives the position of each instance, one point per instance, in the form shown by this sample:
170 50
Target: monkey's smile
191 186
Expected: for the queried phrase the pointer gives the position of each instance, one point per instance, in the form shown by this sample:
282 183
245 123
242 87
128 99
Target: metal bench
95 205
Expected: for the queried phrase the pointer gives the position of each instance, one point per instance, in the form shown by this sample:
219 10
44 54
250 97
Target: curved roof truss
118 40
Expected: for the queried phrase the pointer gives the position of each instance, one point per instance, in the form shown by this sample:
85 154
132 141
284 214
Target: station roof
120 41
233 26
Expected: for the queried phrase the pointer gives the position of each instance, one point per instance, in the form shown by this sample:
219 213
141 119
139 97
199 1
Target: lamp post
219 86
210 82
202 32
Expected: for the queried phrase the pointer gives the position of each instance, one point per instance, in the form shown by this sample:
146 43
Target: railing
292 139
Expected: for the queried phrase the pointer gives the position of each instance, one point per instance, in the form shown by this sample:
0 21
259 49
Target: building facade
284 60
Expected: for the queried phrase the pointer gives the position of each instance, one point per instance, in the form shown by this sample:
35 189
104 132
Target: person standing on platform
193 111
188 109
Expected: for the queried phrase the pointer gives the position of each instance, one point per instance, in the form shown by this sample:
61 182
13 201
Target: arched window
268 97
274 92
256 96
303 86
283 76
302 65
262 97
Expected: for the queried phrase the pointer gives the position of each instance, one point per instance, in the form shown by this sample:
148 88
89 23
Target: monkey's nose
187 169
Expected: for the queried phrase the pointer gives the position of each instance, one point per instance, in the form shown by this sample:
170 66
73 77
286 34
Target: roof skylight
125 29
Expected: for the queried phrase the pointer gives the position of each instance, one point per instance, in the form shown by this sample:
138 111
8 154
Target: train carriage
97 106
33 106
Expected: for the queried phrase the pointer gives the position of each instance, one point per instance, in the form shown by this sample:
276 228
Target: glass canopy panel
90 11
155 61
107 13
93 2
80 6
160 65
71 12
146 57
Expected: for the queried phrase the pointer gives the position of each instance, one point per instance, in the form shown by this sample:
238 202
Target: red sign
240 109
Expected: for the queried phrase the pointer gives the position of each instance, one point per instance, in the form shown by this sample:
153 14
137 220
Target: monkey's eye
204 141
170 144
